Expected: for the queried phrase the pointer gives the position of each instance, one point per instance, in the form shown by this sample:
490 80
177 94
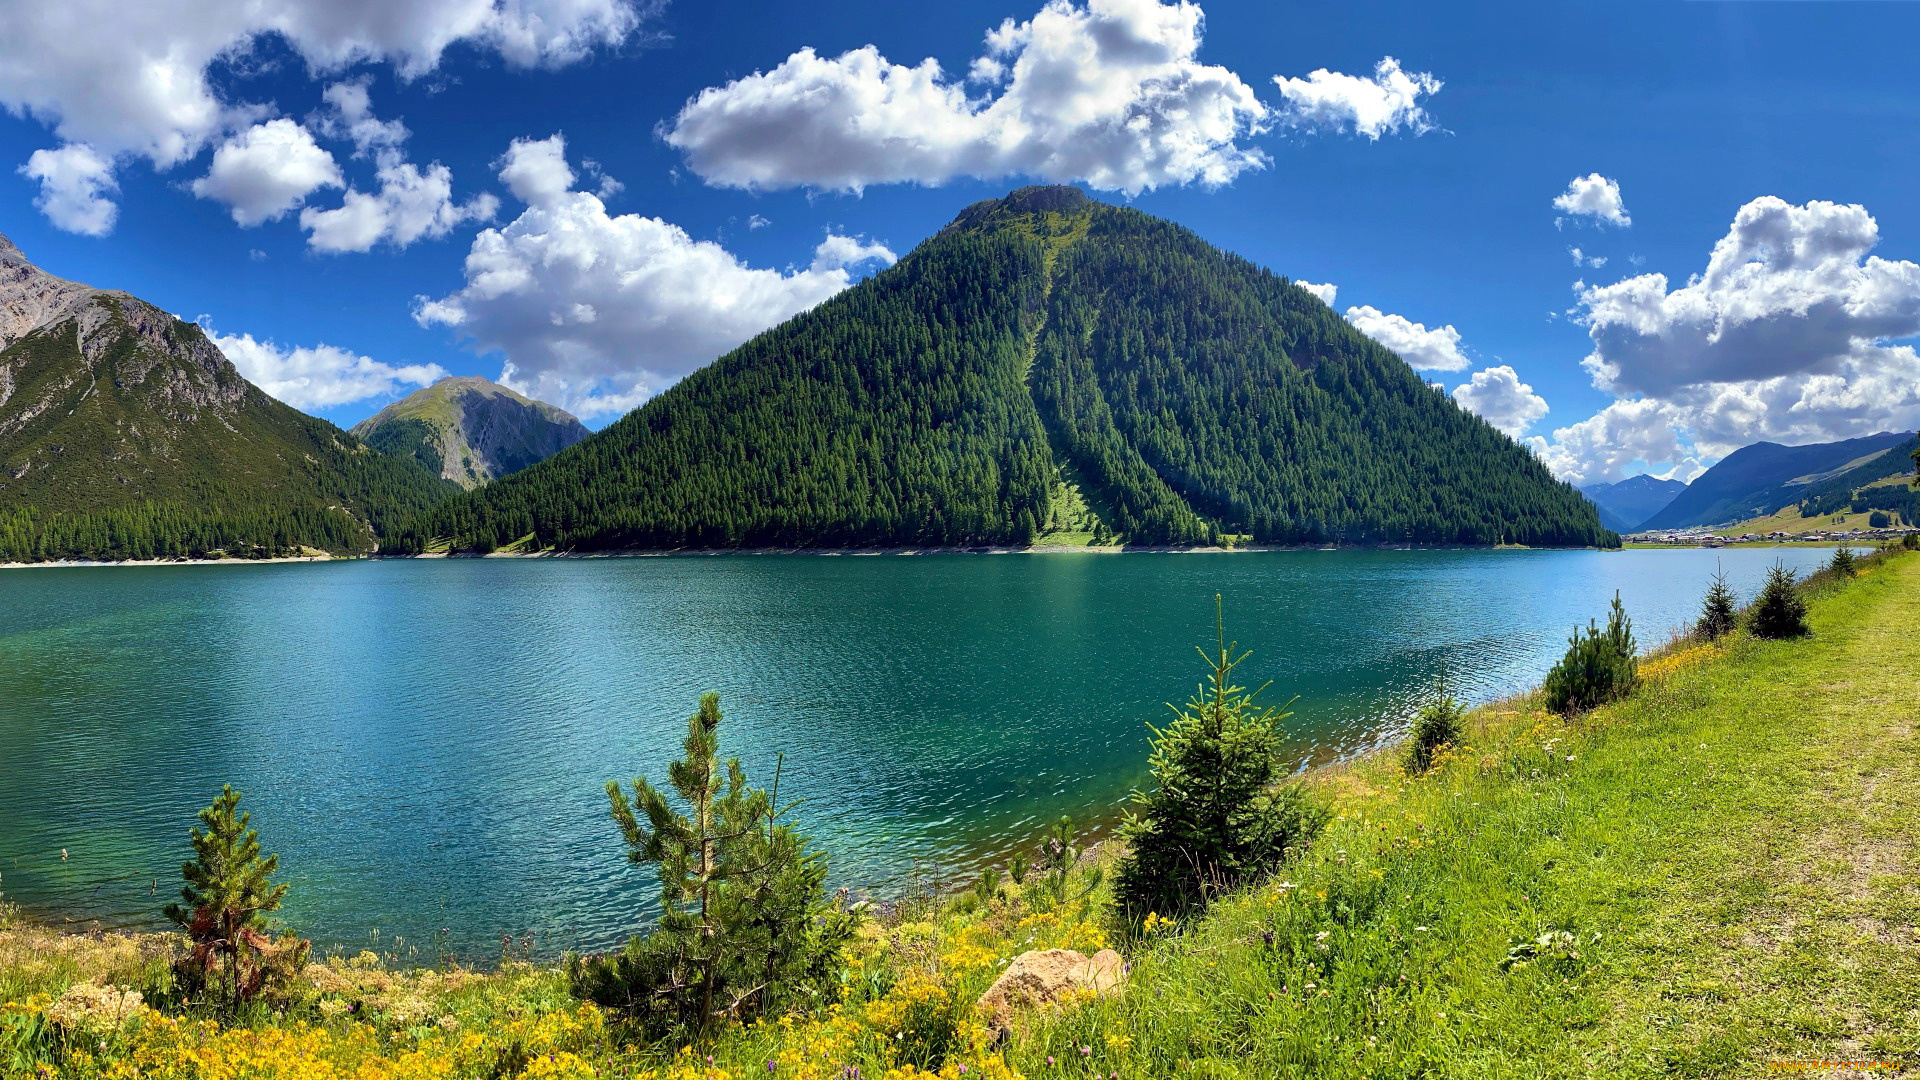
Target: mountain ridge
1761 478
1624 504
1046 362
125 433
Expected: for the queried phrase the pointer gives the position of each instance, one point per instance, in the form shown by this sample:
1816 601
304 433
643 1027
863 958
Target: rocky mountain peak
30 297
470 429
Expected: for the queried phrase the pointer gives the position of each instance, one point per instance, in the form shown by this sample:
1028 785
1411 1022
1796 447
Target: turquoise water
426 743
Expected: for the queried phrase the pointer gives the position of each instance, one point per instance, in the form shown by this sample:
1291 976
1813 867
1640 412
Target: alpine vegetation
1844 564
223 910
1599 666
745 927
1719 610
1219 811
1779 611
1437 726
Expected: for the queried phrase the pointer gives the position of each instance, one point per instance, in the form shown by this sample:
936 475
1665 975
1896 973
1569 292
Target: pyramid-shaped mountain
1045 363
124 433
471 430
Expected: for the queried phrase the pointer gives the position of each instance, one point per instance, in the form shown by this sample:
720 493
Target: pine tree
1843 563
1599 666
1219 812
1779 611
1718 611
745 928
224 904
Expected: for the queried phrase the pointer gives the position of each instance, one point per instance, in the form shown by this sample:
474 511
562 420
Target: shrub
745 929
1058 856
1599 666
1843 564
1018 864
1719 611
1779 611
223 909
1911 541
1219 812
1438 724
986 887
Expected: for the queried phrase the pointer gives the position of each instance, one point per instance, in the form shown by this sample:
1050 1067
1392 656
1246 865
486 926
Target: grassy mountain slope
1757 480
1881 483
125 433
1045 357
1624 505
470 430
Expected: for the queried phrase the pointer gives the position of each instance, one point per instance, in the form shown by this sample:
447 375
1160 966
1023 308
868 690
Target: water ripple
426 743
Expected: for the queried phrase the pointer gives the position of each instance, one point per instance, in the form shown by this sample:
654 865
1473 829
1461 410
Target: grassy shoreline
1711 877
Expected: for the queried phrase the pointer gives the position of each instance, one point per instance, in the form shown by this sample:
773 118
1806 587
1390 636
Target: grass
1729 854
1712 876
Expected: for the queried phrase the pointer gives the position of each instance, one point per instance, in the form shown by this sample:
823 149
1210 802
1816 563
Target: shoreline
981 549
875 552
73 563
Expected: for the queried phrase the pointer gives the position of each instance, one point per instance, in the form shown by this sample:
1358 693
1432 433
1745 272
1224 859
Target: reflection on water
425 743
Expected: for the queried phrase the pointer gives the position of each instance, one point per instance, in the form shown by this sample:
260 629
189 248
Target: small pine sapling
745 929
1719 610
1844 564
223 908
1779 611
1599 666
1220 811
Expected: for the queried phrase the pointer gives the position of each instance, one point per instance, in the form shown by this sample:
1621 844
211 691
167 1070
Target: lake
425 744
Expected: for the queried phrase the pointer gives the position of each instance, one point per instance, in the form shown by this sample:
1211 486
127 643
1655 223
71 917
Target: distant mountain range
1758 480
1627 503
471 430
124 433
1045 364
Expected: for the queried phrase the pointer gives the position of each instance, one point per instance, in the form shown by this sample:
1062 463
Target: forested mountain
470 430
124 433
1046 357
1624 505
1757 480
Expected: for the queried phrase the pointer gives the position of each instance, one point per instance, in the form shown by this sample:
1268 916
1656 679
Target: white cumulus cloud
319 376
1437 349
1498 396
1602 447
1593 196
1383 105
410 202
266 171
135 79
1109 93
75 185
1792 334
596 312
1326 293
349 115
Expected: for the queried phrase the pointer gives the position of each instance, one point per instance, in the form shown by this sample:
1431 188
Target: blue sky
1424 193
